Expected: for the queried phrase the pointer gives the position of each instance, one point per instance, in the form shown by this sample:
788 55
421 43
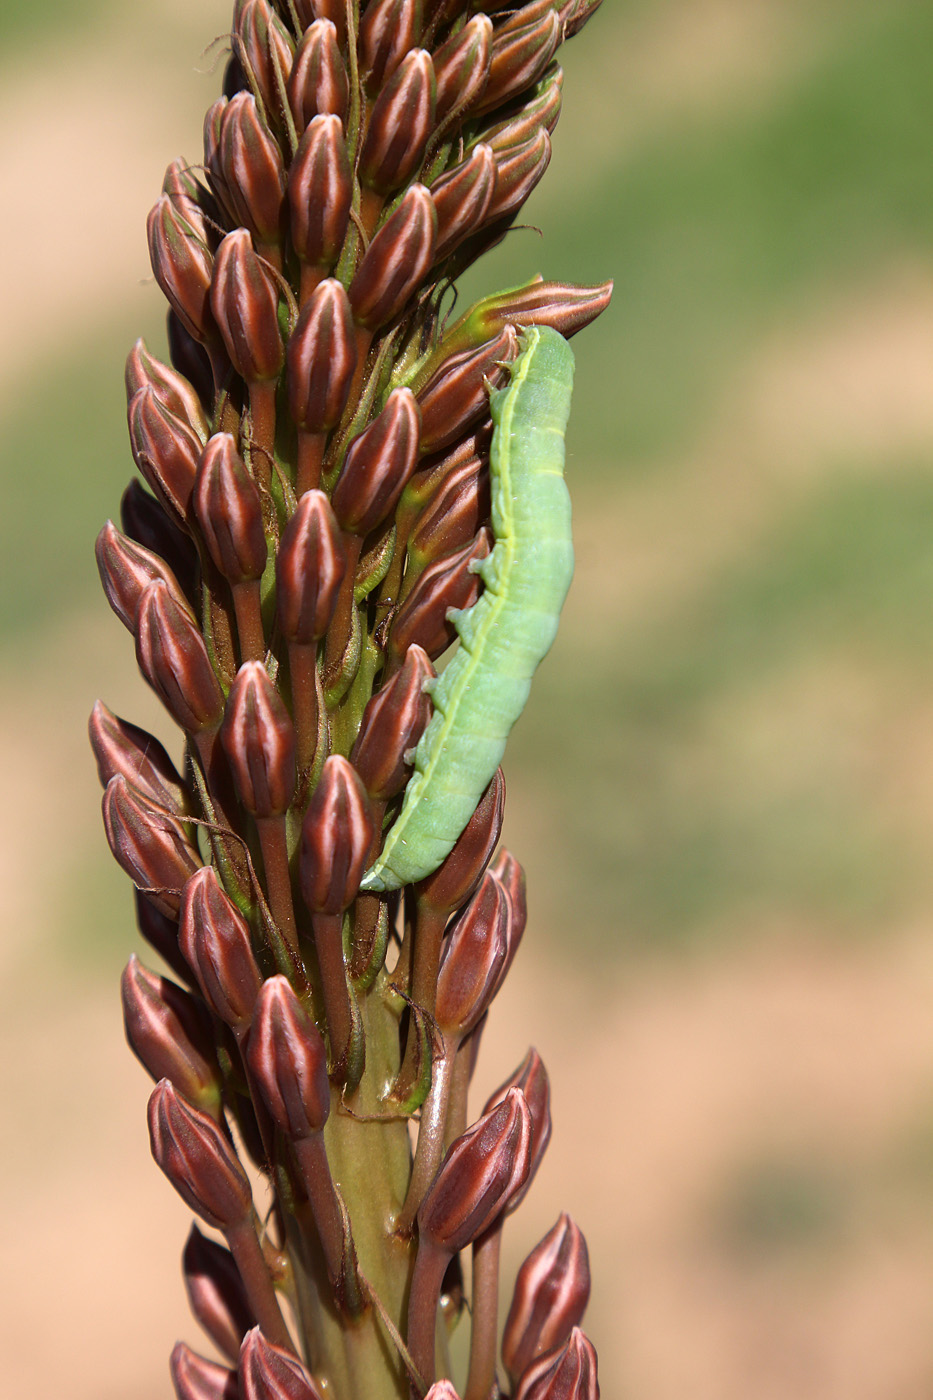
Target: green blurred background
723 786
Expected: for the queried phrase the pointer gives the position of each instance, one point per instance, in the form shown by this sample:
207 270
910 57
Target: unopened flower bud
574 14
457 396
215 939
393 722
336 838
321 358
264 48
182 264
121 747
567 1374
173 658
531 1077
245 302
161 933
396 260
215 1292
126 570
483 1168
452 516
213 121
461 66
378 464
228 510
309 569
521 50
170 1034
462 198
471 959
388 29
561 305
165 449
259 740
507 868
170 388
318 83
401 122
320 191
457 877
189 357
198 1160
289 1061
448 583
518 171
442 1390
190 199
253 170
149 844
196 1378
541 110
551 1293
146 522
268 1372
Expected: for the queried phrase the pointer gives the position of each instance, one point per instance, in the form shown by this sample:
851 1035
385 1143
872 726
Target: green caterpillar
509 630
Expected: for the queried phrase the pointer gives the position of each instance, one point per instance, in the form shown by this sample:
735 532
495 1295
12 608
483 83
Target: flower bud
401 122
461 66
521 50
253 170
481 1171
213 121
265 49
507 868
396 260
289 1061
170 388
121 747
541 110
471 959
309 570
574 14
181 263
457 877
126 570
228 509
321 358
190 200
149 844
165 450
245 302
531 1078
216 1293
518 171
453 515
393 722
462 197
378 464
146 523
388 29
320 191
169 1033
259 740
551 1293
195 1378
161 933
567 1374
442 1390
215 939
173 658
190 358
561 305
448 583
318 83
457 396
198 1160
268 1372
336 839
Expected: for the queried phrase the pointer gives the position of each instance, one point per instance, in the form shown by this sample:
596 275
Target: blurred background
722 789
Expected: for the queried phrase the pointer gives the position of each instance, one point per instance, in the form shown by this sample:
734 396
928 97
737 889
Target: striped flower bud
449 583
321 358
161 933
521 50
531 1077
309 569
265 50
169 1033
170 388
252 167
456 878
121 747
562 305
442 1390
320 191
392 723
473 953
334 10
213 120
396 260
268 1372
462 197
259 740
146 523
149 844
189 357
126 570
461 67
567 1374
289 1061
336 839
378 464
507 868
195 1378
228 510
182 264
457 396
483 1168
318 83
388 29
541 110
173 658
190 199
518 170
215 1292
574 14
552 1290
401 122
451 518
214 938
245 303
198 1160
165 449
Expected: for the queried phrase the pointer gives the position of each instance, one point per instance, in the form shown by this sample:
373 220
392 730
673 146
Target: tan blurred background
723 786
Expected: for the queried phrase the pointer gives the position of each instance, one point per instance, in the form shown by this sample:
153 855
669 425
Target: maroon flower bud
195 1378
197 1159
168 1032
253 171
320 191
473 953
542 110
483 1168
169 387
321 358
173 658
519 169
318 83
521 50
121 747
448 583
259 741
309 569
182 264
268 1372
388 29
149 844
378 464
229 511
145 521
400 124
190 199
567 1374
189 357
126 570
507 868
393 722
461 67
213 121
574 14
442 1390
165 450
453 515
396 260
551 1293
462 197
215 939
560 305
245 302
531 1078
457 396
215 1292
264 48
455 880
336 839
289 1061
161 933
